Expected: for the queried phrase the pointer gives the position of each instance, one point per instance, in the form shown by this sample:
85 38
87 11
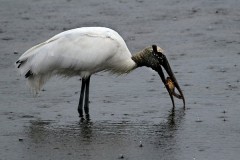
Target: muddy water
202 42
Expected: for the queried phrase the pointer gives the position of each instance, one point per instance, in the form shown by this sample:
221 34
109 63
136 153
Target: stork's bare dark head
154 58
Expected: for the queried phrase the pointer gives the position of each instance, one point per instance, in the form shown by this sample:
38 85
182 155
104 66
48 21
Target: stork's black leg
80 104
86 105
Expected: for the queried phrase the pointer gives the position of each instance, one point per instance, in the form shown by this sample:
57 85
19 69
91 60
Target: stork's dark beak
164 63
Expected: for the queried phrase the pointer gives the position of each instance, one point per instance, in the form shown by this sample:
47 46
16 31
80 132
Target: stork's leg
86 103
80 104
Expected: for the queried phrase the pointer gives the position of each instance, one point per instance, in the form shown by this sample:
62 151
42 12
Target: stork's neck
126 65
140 58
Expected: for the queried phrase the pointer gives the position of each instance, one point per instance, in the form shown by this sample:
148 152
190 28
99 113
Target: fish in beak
170 82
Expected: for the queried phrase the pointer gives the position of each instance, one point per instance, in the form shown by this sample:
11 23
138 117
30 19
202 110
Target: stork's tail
34 81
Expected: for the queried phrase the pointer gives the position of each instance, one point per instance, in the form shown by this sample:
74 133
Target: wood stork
85 51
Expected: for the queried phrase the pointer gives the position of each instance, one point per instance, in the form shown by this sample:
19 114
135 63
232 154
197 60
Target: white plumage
81 51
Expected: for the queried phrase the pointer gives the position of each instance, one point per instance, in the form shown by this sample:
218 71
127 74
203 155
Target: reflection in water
166 134
175 117
170 127
86 129
106 139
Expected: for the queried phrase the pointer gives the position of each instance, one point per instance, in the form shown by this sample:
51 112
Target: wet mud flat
201 40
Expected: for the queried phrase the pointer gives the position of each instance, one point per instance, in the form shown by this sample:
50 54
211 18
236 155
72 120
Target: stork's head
154 58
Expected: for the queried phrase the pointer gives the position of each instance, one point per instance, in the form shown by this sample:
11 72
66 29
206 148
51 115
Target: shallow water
201 41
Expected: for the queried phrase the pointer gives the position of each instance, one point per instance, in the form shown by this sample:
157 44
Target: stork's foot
81 119
87 117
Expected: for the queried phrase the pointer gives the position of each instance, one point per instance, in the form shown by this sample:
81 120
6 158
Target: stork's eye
159 56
